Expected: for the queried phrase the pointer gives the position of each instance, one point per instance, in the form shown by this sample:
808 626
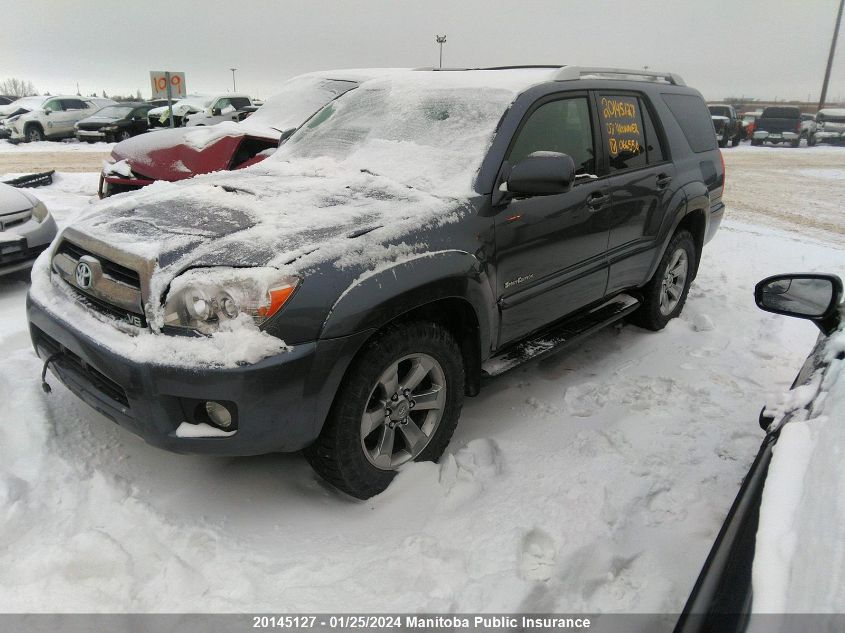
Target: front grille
111 288
22 255
115 271
98 380
127 316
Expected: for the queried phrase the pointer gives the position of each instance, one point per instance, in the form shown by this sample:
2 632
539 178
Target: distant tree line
17 88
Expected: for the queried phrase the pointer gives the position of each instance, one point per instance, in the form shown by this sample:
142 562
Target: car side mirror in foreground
804 295
542 174
47 110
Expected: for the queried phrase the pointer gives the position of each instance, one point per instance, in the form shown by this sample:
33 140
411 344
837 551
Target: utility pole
830 56
440 39
234 89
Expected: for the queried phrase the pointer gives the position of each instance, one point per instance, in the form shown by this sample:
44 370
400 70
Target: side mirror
47 110
803 295
216 112
542 174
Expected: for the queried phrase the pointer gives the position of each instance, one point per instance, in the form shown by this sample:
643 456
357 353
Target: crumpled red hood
172 155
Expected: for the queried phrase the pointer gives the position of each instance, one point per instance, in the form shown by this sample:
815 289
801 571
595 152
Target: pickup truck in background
779 124
830 127
726 123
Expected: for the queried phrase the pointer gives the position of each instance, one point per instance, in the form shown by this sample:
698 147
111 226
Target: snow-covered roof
837 112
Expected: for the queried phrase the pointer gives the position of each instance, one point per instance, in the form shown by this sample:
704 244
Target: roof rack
571 73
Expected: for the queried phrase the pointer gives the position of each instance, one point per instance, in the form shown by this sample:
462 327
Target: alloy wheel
403 411
674 281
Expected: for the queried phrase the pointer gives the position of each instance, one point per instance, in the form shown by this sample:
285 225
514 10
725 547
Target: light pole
440 39
830 57
234 89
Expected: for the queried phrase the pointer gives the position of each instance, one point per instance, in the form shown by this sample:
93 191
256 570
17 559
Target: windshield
299 99
115 112
720 111
428 133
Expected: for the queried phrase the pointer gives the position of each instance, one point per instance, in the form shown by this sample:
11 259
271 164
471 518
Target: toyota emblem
83 275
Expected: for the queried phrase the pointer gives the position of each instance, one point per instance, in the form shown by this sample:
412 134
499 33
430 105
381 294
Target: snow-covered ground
67 145
594 480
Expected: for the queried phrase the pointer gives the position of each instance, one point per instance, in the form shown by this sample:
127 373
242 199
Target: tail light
798 126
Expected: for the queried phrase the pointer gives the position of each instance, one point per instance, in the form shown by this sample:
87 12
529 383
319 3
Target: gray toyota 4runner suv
420 233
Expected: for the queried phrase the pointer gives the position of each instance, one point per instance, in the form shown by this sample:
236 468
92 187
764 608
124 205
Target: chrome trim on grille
108 288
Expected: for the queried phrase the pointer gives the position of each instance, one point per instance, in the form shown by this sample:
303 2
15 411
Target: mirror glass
801 296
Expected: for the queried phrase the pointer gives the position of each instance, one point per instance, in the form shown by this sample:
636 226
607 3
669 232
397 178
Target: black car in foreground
114 123
723 599
424 231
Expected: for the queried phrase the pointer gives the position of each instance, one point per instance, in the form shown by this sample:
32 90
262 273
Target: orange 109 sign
159 80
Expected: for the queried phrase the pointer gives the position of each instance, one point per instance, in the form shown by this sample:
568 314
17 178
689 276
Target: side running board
559 336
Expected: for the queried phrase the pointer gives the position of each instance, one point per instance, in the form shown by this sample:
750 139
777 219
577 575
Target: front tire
123 135
399 402
34 134
666 293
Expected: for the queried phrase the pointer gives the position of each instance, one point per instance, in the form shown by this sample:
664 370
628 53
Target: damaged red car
173 154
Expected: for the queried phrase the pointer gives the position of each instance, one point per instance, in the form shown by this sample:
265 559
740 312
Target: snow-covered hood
13 200
292 216
179 109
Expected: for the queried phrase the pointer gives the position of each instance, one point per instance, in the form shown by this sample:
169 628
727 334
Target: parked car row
34 119
777 125
39 118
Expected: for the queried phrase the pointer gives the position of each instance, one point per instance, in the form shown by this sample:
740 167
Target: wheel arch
449 288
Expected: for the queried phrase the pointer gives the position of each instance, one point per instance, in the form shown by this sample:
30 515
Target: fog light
218 414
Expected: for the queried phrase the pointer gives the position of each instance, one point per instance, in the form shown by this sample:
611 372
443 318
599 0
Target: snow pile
799 562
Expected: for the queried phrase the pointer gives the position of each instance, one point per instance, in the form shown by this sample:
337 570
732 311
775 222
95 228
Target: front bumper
112 184
92 135
280 402
829 137
20 250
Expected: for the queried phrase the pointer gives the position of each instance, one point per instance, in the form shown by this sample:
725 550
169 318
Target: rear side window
694 118
73 104
559 126
622 120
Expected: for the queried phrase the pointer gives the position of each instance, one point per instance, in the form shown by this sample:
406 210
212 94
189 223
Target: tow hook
44 386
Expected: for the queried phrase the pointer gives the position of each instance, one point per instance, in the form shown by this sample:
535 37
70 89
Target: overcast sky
760 48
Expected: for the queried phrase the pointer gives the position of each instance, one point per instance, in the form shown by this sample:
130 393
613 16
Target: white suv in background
227 107
53 119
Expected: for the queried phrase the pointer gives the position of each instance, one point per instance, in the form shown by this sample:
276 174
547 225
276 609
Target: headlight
39 212
108 128
208 299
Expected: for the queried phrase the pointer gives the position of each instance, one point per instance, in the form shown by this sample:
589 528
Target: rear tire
374 426
795 143
756 142
735 141
811 140
665 294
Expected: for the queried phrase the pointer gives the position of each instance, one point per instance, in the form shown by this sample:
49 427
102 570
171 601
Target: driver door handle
597 200
663 181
